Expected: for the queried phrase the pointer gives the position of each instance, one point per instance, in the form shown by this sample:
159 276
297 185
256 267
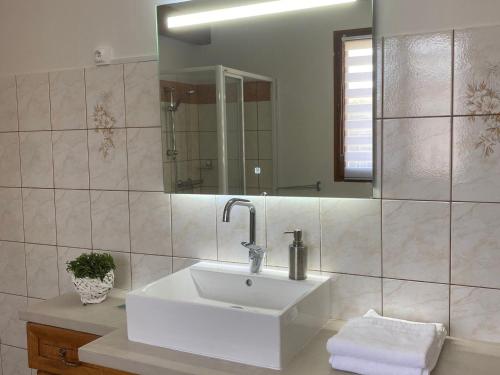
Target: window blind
358 121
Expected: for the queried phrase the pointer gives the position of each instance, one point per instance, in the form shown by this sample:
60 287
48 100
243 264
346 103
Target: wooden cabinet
54 351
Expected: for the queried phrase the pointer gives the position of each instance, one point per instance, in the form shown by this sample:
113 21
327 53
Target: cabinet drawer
55 350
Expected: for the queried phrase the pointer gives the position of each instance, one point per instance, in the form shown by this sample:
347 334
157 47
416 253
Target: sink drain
249 282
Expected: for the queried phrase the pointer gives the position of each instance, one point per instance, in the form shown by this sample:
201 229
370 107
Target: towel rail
316 186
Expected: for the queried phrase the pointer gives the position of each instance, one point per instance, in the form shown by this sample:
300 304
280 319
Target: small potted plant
93 276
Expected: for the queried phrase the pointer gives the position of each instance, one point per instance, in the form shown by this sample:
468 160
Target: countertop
113 350
67 311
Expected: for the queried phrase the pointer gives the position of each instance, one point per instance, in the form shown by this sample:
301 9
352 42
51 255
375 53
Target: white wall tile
251 145
417 301
110 220
265 117
33 101
352 296
123 272
181 263
150 224
145 159
39 216
71 160
149 268
12 268
14 361
8 104
67 99
207 117
476 165
42 271
142 94
73 218
265 144
108 159
475 259
377 174
194 226
416 240
350 236
250 109
104 87
36 159
12 330
208 145
286 214
416 159
64 255
230 235
417 75
11 215
475 313
10 163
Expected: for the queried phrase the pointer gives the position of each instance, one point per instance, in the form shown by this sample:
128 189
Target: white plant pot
93 290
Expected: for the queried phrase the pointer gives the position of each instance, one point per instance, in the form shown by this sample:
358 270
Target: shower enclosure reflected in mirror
274 104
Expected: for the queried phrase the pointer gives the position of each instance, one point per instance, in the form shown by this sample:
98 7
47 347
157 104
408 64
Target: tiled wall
439 119
427 250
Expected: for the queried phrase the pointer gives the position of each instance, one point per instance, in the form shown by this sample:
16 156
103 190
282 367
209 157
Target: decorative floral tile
108 166
477 73
476 160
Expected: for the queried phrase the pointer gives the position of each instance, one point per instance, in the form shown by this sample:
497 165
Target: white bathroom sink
223 311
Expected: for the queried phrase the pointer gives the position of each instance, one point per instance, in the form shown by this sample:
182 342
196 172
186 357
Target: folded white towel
389 341
361 366
366 367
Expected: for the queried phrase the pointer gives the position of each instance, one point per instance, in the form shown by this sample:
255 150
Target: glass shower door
235 132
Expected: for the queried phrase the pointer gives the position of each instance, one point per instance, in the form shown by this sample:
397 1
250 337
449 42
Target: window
353 107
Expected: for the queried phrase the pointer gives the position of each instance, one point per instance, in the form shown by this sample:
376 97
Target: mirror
249 102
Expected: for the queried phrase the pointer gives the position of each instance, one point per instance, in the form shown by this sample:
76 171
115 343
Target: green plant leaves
93 265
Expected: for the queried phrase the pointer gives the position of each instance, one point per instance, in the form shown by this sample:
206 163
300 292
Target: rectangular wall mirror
267 97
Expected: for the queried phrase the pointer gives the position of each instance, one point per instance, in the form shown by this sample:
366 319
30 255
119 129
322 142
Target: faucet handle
253 247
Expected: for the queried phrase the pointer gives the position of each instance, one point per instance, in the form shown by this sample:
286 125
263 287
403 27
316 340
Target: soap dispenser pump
298 257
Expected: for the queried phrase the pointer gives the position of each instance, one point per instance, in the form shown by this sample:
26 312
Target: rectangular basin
222 311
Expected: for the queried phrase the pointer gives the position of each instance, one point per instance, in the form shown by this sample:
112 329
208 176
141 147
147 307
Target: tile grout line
128 176
21 190
53 181
452 109
382 62
88 159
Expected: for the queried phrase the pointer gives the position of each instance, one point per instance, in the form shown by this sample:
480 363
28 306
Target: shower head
182 98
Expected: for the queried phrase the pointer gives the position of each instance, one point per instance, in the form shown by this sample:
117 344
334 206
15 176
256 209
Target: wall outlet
103 55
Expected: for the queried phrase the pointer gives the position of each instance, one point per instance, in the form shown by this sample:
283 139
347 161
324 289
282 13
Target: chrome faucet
255 252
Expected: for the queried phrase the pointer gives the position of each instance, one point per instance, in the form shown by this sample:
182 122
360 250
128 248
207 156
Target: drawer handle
62 357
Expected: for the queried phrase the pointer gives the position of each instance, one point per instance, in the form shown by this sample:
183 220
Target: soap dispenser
298 257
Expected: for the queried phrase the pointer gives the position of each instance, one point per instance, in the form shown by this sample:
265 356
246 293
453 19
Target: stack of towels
375 345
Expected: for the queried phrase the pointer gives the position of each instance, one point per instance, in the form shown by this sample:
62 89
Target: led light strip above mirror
247 11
